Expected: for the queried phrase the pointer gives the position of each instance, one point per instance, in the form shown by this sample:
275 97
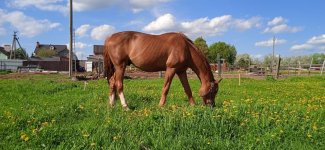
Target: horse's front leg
119 73
169 74
183 77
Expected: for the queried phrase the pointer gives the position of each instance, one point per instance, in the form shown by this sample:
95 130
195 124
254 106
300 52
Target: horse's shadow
141 101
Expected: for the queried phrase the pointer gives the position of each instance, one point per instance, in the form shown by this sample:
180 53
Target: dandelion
24 137
315 126
34 131
81 106
115 138
45 123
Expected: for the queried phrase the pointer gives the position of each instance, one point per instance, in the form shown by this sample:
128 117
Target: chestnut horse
173 53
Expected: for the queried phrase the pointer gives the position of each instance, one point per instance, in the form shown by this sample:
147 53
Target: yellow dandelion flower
45 123
115 138
34 131
24 137
81 106
315 126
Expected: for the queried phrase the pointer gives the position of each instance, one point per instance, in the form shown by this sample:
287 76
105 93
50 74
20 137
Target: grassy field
52 112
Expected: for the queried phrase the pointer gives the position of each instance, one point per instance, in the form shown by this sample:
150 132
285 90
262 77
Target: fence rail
8 64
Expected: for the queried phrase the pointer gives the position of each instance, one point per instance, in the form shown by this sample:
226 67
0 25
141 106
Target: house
96 62
51 50
3 53
52 57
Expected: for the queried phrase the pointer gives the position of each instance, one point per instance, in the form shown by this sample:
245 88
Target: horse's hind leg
119 74
183 77
112 93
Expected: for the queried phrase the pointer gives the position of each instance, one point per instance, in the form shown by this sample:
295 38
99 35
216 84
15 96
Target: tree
201 44
21 54
226 51
243 61
318 58
43 52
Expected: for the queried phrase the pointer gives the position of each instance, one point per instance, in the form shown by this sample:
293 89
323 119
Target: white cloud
242 24
47 5
269 42
82 30
200 26
302 47
316 43
139 5
81 55
134 5
86 5
26 25
277 21
163 23
80 45
206 27
101 32
317 40
279 25
282 28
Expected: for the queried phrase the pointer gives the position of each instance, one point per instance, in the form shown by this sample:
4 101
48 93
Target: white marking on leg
122 98
112 99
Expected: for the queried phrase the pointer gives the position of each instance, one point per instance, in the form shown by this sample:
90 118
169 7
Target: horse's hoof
126 108
192 104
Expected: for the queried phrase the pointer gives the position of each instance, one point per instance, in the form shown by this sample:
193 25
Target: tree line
228 52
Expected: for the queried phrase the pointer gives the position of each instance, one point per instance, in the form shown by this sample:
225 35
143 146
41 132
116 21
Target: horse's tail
108 65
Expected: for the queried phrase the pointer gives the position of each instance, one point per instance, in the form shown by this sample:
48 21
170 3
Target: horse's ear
218 81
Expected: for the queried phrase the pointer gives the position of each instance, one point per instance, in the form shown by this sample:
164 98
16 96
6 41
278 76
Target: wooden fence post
239 79
321 73
311 63
278 67
299 71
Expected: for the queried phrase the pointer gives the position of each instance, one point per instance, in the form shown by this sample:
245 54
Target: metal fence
8 64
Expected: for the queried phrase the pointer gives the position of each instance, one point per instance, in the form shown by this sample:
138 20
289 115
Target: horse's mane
199 52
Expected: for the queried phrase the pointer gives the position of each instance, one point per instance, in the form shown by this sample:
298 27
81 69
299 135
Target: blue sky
298 25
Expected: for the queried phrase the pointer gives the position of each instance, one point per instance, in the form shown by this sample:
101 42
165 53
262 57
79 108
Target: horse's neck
201 69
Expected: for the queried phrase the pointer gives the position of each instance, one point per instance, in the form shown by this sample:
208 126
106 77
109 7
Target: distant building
59 51
3 53
7 48
95 62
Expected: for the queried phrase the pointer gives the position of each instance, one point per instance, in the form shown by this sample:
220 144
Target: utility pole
13 46
71 39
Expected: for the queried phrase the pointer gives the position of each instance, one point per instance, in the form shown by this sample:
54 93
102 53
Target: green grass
52 112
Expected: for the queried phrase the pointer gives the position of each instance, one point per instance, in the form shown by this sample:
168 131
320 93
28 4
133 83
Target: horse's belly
150 65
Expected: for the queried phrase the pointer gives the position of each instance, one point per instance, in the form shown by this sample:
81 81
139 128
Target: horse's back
146 51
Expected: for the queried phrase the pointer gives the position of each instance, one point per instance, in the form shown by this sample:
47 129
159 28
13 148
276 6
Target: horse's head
209 93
